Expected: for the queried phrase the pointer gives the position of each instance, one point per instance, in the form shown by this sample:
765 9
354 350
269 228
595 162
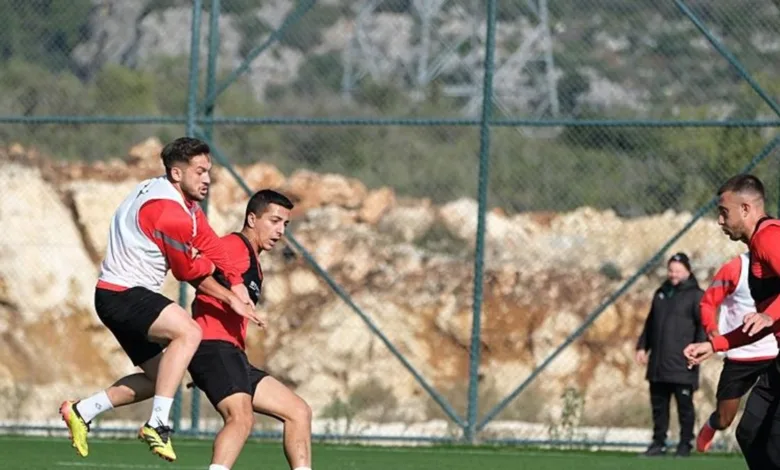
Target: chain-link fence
610 126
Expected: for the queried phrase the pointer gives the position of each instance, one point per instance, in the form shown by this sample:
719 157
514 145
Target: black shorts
737 377
221 369
129 314
758 432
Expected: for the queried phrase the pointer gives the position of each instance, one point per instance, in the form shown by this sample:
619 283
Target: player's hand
247 311
242 293
697 353
755 322
641 356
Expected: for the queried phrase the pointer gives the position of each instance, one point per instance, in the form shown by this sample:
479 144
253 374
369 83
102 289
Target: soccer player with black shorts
742 216
220 366
729 291
158 227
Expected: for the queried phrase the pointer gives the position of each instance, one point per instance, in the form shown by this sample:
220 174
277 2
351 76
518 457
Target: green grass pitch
32 453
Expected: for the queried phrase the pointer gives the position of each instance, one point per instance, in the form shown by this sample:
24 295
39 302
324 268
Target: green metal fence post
211 78
291 19
479 255
192 92
211 67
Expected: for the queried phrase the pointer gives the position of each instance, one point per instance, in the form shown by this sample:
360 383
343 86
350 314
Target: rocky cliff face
407 263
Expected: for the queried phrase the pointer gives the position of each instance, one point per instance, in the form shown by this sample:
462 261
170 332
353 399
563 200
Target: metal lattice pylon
447 45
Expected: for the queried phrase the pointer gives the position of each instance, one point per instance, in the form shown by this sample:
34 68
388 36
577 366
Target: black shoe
683 450
655 450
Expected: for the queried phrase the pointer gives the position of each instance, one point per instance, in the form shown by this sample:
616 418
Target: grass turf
56 453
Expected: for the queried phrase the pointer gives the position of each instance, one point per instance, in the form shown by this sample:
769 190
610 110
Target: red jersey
217 320
764 281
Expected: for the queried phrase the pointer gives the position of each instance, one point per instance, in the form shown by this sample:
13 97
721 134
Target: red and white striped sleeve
167 224
723 284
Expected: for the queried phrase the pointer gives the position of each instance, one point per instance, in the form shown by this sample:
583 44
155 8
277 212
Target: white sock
161 410
217 467
302 468
90 407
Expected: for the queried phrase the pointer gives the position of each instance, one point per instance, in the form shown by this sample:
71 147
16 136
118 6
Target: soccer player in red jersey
742 216
220 366
729 292
157 228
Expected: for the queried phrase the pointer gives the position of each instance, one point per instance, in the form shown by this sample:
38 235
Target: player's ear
250 220
745 208
176 173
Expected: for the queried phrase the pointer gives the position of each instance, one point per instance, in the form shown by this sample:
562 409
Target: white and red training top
730 292
155 229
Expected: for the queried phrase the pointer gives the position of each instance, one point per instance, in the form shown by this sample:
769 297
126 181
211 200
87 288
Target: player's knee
242 420
192 333
302 412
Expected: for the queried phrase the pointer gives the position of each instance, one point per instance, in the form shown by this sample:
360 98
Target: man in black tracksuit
674 322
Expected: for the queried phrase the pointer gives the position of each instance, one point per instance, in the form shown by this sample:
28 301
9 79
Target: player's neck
753 227
187 201
253 241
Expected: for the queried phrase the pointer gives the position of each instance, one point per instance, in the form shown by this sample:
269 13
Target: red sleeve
237 252
737 338
766 249
170 228
239 256
209 245
723 284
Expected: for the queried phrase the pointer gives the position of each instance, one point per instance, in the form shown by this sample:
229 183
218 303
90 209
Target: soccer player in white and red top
158 227
729 293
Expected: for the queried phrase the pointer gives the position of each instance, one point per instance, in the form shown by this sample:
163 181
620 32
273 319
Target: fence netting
612 124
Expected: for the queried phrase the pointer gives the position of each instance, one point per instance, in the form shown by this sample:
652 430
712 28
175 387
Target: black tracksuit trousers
660 398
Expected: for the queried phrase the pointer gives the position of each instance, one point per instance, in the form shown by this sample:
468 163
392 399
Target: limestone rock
94 203
146 152
408 223
43 264
377 203
314 190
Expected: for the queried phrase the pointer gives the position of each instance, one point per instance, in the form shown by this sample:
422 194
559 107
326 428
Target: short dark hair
743 183
260 201
182 150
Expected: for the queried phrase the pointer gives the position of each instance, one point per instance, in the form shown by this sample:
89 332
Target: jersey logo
253 285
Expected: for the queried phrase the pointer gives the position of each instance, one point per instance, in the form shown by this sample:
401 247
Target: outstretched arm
739 337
